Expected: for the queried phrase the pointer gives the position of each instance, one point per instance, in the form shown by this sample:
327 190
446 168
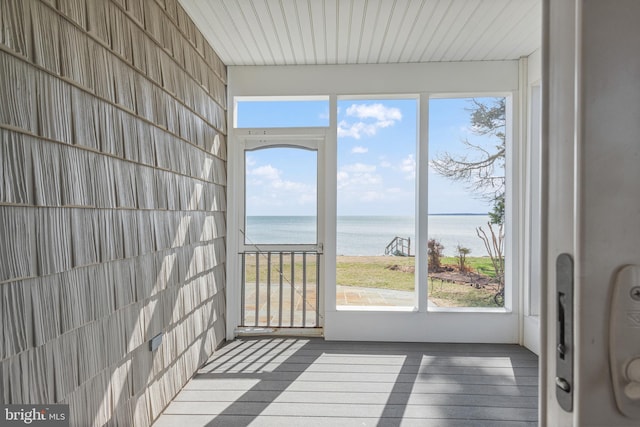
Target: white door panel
591 126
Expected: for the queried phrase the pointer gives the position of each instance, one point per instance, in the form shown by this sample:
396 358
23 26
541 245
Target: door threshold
281 332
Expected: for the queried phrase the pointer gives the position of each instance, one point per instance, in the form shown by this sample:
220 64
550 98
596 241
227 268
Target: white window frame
448 80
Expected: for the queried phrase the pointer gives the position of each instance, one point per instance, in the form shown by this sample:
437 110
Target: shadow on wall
113 157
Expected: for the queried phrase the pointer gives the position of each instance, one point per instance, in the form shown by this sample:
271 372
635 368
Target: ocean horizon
369 235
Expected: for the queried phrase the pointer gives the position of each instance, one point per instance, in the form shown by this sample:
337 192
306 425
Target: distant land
459 214
344 216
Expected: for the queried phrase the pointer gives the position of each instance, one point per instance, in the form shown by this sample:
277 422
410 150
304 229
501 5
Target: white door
280 228
591 126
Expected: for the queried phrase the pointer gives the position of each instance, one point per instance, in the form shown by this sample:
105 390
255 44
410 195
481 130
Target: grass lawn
458 295
372 272
375 272
481 265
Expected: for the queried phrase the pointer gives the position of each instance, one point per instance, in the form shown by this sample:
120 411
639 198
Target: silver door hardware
564 331
624 340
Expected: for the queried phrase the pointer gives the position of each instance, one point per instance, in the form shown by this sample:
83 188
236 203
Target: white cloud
356 178
358 168
371 196
375 111
307 198
385 164
359 150
269 189
266 172
324 115
408 167
287 185
372 117
356 130
365 179
357 181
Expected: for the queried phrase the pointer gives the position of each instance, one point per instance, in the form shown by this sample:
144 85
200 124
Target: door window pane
281 197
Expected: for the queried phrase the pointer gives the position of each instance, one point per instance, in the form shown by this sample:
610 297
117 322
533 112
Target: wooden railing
399 246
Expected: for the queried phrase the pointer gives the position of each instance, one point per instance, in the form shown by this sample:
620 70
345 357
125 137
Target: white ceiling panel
405 36
434 11
289 32
484 16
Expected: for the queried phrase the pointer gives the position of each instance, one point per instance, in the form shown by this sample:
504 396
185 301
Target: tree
462 257
496 215
480 172
434 252
483 168
495 248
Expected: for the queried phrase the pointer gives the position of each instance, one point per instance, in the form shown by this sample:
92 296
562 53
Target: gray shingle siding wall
112 205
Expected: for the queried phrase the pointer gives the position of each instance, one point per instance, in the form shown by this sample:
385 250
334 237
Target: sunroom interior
336 51
123 195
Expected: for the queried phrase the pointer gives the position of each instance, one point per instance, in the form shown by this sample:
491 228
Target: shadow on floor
312 382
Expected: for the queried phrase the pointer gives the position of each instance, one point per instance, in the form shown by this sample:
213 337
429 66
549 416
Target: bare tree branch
495 248
481 170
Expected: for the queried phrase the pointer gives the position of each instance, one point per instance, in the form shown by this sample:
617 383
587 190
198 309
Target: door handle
564 332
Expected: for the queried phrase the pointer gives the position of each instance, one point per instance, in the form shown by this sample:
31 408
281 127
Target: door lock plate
624 340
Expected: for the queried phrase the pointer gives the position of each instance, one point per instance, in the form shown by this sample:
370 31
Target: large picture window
376 193
466 199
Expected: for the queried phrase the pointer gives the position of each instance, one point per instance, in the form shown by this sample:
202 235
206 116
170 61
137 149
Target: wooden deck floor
312 382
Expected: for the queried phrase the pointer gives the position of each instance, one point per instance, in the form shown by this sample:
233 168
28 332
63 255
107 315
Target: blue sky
376 157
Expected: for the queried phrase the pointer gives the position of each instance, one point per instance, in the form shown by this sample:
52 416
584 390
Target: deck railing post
281 292
293 286
304 289
243 289
257 287
317 290
268 288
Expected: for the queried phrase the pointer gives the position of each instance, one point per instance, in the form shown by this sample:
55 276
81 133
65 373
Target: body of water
369 235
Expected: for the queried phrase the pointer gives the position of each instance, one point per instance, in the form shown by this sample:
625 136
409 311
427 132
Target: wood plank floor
312 382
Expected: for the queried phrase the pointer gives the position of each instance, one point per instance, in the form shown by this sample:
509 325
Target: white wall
532 272
534 67
455 77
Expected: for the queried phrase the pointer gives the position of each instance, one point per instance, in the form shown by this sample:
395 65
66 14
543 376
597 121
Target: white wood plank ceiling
289 32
